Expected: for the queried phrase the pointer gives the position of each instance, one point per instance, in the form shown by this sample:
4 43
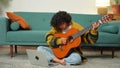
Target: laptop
38 58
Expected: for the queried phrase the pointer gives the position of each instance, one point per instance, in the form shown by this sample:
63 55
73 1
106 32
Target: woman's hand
95 26
64 40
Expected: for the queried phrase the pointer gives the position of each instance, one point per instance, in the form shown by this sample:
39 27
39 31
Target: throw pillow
16 18
14 26
110 29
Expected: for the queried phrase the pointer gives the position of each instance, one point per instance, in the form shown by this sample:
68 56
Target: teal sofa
109 34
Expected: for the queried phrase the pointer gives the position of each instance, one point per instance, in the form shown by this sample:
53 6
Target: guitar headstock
106 18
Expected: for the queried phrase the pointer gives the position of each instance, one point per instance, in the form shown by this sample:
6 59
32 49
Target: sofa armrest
3 29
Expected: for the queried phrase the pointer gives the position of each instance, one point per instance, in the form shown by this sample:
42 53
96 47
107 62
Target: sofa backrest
86 19
41 20
37 20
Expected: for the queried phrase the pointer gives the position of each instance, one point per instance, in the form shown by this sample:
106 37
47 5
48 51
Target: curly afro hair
59 18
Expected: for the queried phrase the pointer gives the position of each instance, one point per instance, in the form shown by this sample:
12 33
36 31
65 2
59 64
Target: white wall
71 6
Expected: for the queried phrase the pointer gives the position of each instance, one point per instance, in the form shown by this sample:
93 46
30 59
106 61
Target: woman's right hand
64 40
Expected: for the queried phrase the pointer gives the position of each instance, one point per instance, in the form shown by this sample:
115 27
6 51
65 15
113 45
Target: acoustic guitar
63 50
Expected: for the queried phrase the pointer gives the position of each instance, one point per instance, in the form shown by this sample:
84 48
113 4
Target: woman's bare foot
61 61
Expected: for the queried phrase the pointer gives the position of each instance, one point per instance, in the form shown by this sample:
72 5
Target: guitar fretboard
82 32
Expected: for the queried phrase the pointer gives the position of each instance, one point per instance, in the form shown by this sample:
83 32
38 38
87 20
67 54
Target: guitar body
64 50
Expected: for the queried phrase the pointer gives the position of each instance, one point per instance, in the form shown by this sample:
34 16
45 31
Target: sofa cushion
19 19
110 29
14 26
110 38
26 36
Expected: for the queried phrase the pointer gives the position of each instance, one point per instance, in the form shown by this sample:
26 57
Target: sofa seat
104 36
26 36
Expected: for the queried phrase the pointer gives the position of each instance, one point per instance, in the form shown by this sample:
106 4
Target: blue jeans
73 58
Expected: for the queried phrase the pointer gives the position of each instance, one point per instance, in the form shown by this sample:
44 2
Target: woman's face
63 26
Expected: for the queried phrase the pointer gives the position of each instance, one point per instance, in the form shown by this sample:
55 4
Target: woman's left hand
95 26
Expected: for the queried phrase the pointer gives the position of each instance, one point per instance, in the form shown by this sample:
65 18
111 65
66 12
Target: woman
61 22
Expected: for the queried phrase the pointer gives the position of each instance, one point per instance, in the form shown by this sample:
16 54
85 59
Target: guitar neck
80 33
